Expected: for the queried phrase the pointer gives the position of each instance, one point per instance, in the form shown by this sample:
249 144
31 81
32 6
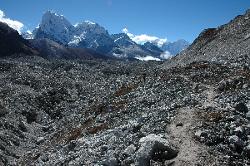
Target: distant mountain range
12 44
89 35
175 47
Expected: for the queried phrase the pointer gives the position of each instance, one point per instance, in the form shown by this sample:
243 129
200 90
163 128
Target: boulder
241 107
112 161
239 130
248 115
154 147
200 134
236 143
3 111
247 151
130 150
40 140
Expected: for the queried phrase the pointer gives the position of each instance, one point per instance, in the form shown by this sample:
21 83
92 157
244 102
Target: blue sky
171 19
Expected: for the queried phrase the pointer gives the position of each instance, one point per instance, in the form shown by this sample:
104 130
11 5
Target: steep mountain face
122 40
84 35
128 48
54 27
12 43
229 41
153 49
92 35
175 47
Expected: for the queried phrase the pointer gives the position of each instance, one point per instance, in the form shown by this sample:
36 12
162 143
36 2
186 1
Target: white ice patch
147 58
118 39
90 22
77 39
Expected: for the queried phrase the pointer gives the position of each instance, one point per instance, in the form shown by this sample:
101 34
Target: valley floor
123 113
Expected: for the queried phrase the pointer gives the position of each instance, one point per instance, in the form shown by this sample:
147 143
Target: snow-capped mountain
128 48
54 27
84 35
91 35
152 48
122 40
175 47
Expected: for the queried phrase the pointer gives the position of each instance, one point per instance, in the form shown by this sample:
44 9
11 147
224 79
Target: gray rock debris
130 150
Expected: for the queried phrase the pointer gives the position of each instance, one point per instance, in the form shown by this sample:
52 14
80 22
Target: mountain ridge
13 43
91 35
228 41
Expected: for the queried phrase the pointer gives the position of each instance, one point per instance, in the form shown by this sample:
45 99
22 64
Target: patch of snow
90 22
118 39
147 58
119 55
77 39
29 32
97 44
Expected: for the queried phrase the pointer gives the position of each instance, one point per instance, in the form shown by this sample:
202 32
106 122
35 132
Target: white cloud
166 55
143 38
147 58
17 25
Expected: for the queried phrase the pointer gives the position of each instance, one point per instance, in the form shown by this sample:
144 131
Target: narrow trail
191 152
210 95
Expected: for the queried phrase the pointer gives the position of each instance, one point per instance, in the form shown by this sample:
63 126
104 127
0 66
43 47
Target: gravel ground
123 113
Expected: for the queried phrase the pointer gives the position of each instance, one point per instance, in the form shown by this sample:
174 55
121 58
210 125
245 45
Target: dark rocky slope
12 43
52 50
229 41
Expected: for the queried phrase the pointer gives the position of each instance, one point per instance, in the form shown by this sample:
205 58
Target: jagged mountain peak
122 39
152 48
124 35
55 27
52 18
50 13
90 27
